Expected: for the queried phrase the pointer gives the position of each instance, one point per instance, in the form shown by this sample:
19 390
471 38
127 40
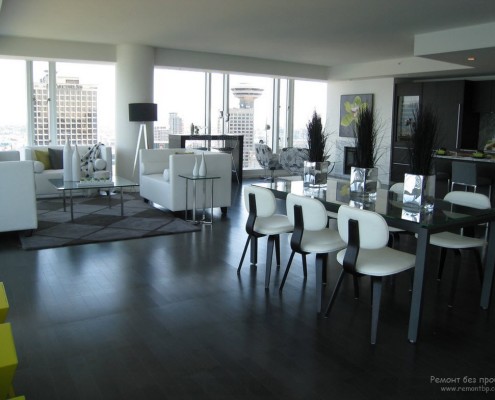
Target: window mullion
52 98
290 113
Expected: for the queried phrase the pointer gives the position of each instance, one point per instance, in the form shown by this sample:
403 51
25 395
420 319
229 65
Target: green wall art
349 107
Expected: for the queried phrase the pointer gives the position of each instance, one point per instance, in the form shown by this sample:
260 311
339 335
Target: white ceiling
319 32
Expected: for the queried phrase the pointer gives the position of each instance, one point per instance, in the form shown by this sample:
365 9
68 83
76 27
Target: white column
134 84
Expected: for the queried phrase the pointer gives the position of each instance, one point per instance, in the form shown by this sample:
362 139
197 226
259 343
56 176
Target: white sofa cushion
39 167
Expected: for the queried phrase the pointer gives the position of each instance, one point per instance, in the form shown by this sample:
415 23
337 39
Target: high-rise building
176 124
77 116
241 120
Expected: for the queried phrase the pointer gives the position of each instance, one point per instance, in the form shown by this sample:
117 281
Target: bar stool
466 174
229 150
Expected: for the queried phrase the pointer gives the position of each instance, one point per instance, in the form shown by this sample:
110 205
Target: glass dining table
445 216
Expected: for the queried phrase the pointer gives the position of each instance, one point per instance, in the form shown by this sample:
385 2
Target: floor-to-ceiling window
251 112
269 109
13 105
180 96
309 96
85 103
49 103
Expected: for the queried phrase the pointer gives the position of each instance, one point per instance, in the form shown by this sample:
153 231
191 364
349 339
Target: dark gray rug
95 221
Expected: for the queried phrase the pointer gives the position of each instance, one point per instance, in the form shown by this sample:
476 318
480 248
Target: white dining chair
309 218
263 221
458 241
366 235
394 233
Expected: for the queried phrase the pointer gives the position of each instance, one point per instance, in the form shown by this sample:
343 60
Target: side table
195 180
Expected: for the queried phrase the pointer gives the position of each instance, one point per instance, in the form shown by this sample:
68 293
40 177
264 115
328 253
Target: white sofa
160 182
17 199
42 176
10 155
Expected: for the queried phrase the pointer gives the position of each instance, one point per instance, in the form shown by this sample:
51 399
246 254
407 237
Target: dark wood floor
169 318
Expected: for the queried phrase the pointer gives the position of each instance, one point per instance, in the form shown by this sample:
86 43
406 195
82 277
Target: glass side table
195 180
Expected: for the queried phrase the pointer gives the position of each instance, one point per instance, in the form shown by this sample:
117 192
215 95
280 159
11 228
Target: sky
175 91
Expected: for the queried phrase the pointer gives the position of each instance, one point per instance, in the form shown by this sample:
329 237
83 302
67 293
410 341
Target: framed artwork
349 107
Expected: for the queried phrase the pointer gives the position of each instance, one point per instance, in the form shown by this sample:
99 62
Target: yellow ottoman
8 360
4 304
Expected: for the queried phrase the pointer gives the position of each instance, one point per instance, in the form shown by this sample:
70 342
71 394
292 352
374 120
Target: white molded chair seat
273 225
457 242
262 221
382 262
452 240
311 235
366 234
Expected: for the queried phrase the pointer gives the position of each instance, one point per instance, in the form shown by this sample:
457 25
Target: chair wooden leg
334 293
243 254
320 267
324 270
356 286
277 249
375 306
286 271
254 250
455 278
305 266
479 266
272 239
443 253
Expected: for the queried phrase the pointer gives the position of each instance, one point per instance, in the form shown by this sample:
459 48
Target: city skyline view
177 92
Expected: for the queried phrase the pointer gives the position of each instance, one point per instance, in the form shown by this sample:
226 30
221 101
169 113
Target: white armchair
10 155
159 180
18 199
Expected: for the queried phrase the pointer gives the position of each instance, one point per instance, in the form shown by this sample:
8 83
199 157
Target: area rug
95 221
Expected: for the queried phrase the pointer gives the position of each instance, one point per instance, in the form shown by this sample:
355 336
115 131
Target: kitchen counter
489 158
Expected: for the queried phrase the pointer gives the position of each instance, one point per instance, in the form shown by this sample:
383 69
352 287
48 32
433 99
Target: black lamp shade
141 112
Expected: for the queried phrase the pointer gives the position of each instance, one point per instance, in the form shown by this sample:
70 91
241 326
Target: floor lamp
142 112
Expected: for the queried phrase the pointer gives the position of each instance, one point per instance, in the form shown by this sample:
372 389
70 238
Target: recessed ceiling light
471 58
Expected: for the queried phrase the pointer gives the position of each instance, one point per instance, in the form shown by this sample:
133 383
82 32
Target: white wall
382 90
134 84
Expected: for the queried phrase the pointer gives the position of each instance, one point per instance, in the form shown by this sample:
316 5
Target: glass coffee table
69 186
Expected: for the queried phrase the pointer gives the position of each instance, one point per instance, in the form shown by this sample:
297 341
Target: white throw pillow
166 175
38 167
100 164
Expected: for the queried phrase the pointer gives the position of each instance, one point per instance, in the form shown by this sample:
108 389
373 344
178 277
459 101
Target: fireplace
349 159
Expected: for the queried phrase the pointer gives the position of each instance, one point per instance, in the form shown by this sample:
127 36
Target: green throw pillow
44 158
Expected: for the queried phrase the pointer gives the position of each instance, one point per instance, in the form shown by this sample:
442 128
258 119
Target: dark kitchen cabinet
483 100
446 98
452 101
